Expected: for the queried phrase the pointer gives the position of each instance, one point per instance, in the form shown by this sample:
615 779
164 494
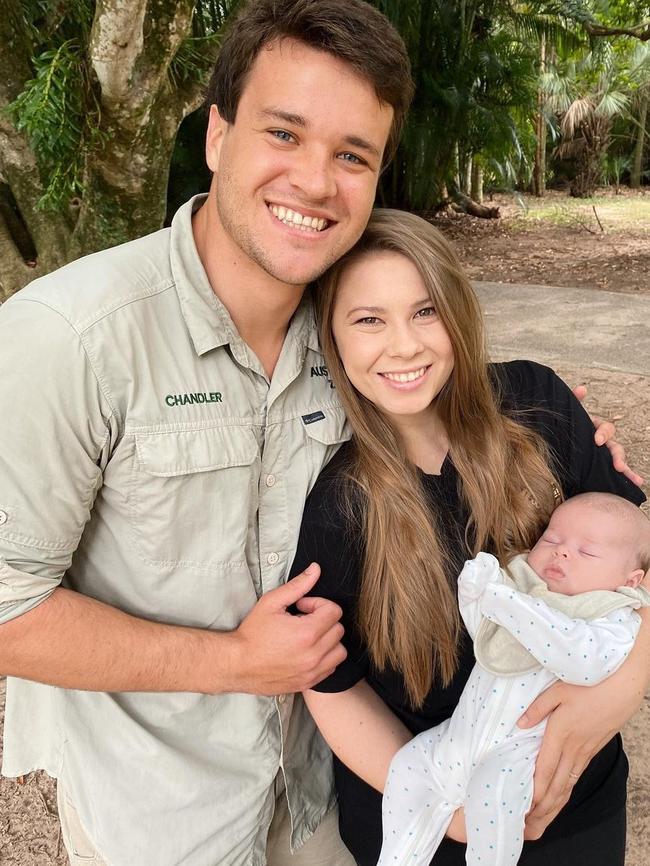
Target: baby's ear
635 578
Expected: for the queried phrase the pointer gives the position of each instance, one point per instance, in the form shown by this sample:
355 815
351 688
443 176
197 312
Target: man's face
297 171
585 549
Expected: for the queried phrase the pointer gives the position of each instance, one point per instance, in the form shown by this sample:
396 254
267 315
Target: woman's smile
408 380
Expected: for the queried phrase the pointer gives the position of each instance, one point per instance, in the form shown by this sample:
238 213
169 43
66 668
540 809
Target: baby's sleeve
575 650
477 575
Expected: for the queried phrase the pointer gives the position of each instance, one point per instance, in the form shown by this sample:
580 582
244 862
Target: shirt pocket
193 494
324 437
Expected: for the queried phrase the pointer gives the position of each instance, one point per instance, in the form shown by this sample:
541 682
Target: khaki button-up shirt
146 461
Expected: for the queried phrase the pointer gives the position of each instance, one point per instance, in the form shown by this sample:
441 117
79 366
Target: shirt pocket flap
330 429
188 451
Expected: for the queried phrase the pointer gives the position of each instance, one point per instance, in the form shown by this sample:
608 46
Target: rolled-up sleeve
55 432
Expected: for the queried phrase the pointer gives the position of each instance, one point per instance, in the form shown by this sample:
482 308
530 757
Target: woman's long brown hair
407 609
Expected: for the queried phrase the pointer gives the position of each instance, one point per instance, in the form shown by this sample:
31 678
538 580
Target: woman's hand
581 721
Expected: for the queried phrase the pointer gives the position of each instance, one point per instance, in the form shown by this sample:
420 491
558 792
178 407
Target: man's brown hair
353 31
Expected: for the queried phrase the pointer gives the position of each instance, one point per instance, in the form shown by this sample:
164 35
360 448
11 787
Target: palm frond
576 114
639 69
612 103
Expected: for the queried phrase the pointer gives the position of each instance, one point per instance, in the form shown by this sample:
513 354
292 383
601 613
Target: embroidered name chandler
188 399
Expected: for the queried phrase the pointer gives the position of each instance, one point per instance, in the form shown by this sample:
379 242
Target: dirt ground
519 248
602 243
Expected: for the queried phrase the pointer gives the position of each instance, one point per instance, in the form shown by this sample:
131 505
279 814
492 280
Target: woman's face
395 350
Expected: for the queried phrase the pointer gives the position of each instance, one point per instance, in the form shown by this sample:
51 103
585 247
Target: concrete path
570 327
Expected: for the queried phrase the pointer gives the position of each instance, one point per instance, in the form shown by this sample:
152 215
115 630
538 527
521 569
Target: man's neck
260 306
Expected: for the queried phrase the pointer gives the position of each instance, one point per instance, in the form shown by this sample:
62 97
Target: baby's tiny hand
477 574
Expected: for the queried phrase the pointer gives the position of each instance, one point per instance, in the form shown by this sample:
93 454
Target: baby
565 611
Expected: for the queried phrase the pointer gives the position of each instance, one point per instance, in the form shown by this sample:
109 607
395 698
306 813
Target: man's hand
278 653
604 435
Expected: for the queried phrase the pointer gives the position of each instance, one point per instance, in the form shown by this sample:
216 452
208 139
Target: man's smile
295 219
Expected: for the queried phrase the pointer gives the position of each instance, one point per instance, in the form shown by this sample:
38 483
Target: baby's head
593 541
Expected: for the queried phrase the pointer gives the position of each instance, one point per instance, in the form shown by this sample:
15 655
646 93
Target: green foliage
616 165
591 91
475 68
621 13
51 22
194 59
475 63
59 109
59 113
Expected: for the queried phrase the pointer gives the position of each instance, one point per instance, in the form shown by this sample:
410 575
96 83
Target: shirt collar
207 319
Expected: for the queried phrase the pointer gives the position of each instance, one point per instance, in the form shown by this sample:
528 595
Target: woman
449 456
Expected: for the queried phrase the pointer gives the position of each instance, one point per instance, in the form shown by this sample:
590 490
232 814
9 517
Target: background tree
640 74
91 98
587 97
93 92
475 65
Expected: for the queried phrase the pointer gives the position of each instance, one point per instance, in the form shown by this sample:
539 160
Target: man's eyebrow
362 144
298 120
285 116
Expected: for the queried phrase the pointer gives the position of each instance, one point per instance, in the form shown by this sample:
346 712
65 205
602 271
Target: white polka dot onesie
479 758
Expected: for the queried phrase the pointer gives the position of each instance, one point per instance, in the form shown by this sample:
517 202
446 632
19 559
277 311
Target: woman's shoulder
523 376
536 396
526 384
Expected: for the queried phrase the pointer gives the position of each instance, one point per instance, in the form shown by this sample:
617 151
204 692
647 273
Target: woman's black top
542 401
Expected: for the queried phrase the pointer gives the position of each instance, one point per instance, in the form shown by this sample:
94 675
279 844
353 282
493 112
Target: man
169 417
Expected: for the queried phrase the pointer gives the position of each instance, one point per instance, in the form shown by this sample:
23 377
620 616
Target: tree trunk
464 204
125 183
539 171
456 165
589 164
585 182
467 175
477 182
122 202
131 48
637 164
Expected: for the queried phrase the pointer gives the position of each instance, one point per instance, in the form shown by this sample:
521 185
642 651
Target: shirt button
270 480
273 559
3 517
281 699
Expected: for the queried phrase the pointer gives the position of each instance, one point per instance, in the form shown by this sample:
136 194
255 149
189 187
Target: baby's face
584 549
